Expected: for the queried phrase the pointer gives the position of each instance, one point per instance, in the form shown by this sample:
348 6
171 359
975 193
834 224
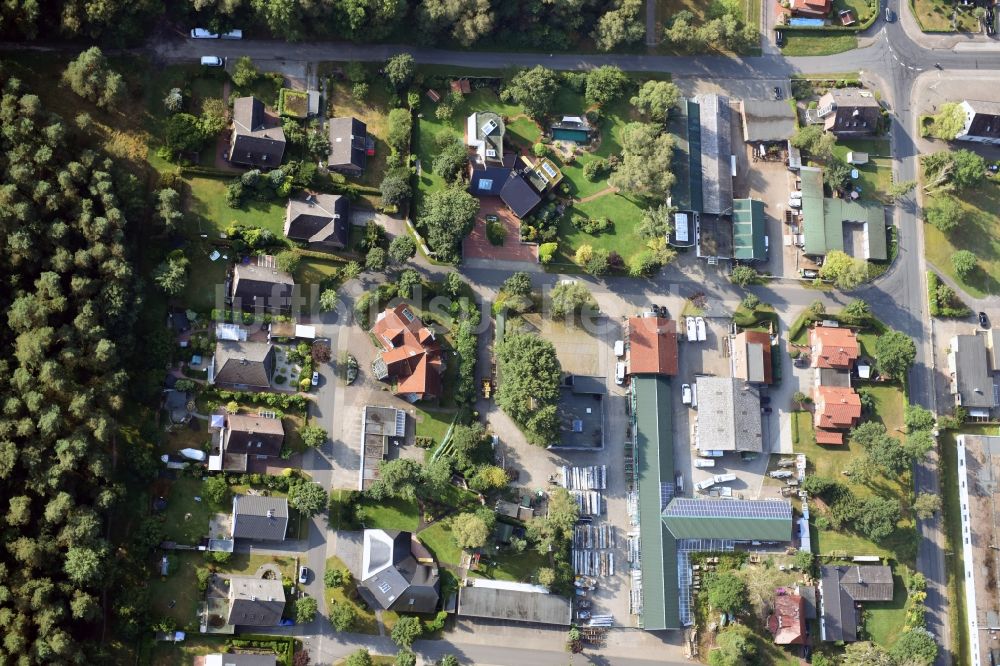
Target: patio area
478 246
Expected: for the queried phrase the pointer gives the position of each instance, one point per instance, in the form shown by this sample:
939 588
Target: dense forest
69 291
543 24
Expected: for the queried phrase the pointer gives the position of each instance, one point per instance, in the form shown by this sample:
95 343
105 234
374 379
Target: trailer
705 485
704 462
724 478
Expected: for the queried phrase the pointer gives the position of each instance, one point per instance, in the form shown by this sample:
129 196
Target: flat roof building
751 357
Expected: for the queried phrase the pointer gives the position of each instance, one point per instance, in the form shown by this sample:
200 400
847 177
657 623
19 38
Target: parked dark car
767 410
984 320
765 400
777 92
779 37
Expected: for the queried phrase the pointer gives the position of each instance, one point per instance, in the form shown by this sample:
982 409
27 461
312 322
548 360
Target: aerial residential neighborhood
468 333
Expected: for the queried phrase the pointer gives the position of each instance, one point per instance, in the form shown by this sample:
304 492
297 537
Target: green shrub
546 251
495 233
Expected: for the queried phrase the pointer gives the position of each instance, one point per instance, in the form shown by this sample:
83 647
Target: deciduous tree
605 84
964 263
894 353
620 26
926 505
447 215
406 631
569 297
399 69
469 530
534 90
726 592
307 498
844 270
656 98
646 160
90 77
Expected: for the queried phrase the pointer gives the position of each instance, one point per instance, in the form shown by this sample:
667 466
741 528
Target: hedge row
283 647
247 318
935 307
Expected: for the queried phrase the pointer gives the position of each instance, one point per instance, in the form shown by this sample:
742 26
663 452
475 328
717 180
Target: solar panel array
693 508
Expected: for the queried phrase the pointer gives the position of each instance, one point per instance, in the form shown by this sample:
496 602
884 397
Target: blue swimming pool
578 136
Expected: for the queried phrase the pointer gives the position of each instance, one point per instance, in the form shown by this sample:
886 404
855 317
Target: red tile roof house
788 621
837 408
833 347
811 8
411 356
652 346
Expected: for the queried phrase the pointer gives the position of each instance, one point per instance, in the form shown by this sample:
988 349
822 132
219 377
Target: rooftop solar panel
692 508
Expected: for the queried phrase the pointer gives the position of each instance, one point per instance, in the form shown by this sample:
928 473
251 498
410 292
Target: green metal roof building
685 125
744 520
749 230
655 470
664 520
824 218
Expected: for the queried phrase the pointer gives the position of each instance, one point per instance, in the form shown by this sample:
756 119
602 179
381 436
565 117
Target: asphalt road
891 62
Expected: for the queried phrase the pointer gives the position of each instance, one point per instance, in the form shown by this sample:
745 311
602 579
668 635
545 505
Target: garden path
597 195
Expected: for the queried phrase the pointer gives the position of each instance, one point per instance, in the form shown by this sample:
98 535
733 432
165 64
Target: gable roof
767 120
728 415
260 518
749 230
255 602
519 195
398 573
655 474
833 347
411 353
841 587
262 285
652 346
254 434
716 150
743 520
752 357
837 407
972 383
243 363
489 180
318 218
348 144
788 621
852 111
255 141
982 120
514 602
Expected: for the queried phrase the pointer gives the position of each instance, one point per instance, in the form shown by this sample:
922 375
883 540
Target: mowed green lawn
438 539
874 177
624 211
391 514
801 43
831 460
516 567
185 519
886 619
176 595
978 232
209 213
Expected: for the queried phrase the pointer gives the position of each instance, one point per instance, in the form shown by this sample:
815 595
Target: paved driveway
478 246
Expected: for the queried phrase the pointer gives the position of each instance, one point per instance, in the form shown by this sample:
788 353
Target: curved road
890 62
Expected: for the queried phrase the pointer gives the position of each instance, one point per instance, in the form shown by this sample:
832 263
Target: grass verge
819 44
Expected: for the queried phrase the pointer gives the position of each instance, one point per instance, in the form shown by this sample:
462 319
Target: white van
619 348
211 61
620 373
233 34
201 33
704 462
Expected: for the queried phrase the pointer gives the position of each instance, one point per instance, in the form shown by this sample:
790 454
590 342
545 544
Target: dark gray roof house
255 602
320 219
260 518
488 178
518 194
262 286
253 434
350 144
841 587
242 364
969 370
849 112
257 140
982 122
398 573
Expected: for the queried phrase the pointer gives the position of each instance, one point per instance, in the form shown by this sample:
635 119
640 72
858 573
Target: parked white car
619 348
704 462
233 34
211 61
795 203
780 474
201 33
700 324
620 373
315 379
797 194
691 328
303 575
193 454
686 394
